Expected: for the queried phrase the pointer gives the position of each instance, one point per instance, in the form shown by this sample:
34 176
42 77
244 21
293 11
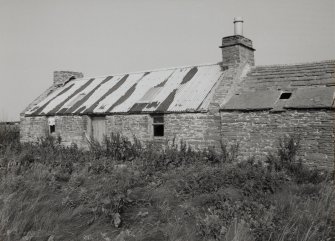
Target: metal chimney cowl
238 26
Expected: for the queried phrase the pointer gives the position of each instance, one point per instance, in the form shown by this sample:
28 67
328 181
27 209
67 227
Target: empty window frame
51 124
158 125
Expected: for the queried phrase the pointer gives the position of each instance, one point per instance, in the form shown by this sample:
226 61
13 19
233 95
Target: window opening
285 96
158 125
52 126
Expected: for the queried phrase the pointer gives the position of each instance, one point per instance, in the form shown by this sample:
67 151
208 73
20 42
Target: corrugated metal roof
172 90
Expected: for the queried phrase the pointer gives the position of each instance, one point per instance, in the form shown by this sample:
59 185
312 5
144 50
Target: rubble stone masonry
33 128
198 130
71 129
258 133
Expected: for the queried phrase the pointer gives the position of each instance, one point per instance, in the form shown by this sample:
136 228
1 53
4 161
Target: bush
285 159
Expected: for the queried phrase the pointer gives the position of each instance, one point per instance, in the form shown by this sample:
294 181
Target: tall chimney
60 77
237 49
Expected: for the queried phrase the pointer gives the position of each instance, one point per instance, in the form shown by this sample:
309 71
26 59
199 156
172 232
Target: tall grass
123 190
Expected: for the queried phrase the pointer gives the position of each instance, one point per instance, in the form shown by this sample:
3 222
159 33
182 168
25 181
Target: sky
105 37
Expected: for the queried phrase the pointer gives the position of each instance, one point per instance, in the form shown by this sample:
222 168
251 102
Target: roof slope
185 89
311 85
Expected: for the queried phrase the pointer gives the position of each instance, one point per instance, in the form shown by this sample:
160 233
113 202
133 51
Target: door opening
98 129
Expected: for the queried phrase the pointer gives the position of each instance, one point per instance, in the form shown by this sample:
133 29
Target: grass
125 191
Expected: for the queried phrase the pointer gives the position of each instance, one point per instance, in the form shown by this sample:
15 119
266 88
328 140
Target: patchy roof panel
253 100
319 97
190 95
170 90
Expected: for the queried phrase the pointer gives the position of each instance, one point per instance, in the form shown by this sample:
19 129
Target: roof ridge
154 70
293 64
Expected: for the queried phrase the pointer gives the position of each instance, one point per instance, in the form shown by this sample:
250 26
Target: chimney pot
238 26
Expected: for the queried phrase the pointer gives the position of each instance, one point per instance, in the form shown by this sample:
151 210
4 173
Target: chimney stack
237 49
60 77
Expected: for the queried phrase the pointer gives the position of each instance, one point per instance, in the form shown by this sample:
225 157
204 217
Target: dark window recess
285 96
52 128
158 125
158 130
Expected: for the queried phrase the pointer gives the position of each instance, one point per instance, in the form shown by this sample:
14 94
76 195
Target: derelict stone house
233 101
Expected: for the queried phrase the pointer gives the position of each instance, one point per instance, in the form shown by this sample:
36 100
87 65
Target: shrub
285 159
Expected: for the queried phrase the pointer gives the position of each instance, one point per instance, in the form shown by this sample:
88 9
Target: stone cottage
231 101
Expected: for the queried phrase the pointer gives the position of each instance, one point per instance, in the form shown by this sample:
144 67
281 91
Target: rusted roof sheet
171 90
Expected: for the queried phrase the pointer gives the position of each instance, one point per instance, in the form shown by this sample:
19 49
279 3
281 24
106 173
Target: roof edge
298 63
311 108
284 108
152 70
245 109
120 113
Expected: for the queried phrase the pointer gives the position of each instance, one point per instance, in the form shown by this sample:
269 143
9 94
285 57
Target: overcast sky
104 37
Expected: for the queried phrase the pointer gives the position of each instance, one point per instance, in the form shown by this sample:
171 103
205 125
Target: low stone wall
258 133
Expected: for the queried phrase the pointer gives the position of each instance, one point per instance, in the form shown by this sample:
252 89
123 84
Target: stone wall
130 126
71 129
258 133
33 128
197 129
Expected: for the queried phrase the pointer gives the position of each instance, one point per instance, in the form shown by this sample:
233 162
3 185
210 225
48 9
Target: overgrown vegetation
125 191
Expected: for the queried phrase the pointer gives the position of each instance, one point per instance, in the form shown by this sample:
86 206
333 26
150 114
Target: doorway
98 129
